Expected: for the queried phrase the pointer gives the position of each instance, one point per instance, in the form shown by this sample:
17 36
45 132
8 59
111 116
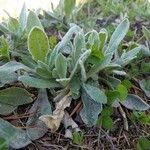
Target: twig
76 108
125 121
14 117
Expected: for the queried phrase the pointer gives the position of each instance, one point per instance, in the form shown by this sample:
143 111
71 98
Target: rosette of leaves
78 63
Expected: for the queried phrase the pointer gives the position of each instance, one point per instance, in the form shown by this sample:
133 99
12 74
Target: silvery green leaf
82 58
44 73
32 21
117 36
65 40
38 44
126 57
13 25
42 107
134 102
142 84
93 38
21 140
91 109
23 17
38 83
15 137
11 98
94 44
43 70
9 79
83 72
79 44
7 72
4 28
61 65
75 86
112 81
95 93
103 36
102 64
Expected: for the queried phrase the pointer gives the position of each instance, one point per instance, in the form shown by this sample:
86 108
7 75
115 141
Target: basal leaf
7 72
38 44
134 102
142 84
91 109
42 107
95 93
13 97
38 83
15 137
75 86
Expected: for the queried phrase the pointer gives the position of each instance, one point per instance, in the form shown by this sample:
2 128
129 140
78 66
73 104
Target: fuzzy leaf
32 21
126 57
103 36
11 98
91 109
62 44
23 17
38 83
15 137
134 102
4 28
13 25
7 70
79 44
118 36
61 66
42 107
38 44
143 87
95 93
